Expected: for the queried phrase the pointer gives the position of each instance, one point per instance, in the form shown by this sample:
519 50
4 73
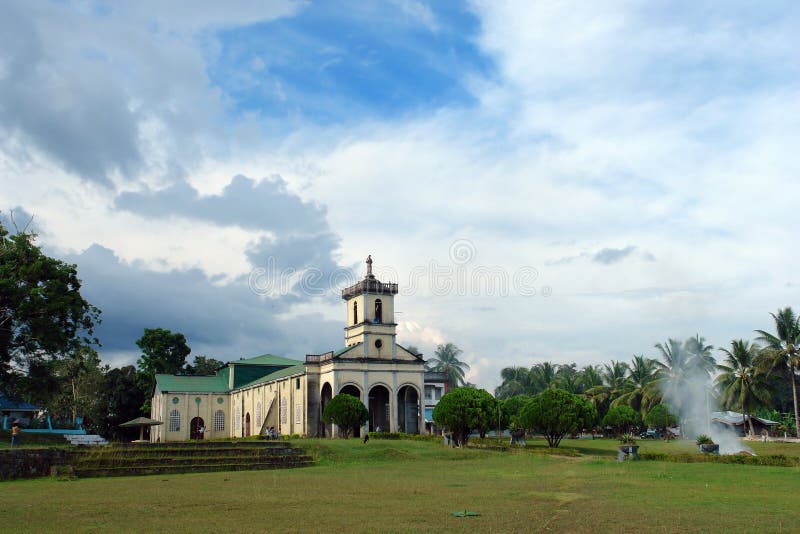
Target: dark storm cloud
78 116
608 256
223 321
266 205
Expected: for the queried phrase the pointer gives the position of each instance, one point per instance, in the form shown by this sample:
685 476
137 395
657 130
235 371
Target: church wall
366 375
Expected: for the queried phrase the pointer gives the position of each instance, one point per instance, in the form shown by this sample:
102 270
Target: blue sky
340 61
545 180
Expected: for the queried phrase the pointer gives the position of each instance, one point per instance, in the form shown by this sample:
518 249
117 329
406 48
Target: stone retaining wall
29 463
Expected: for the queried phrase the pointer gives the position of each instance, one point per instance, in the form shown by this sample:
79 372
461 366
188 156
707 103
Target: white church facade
250 396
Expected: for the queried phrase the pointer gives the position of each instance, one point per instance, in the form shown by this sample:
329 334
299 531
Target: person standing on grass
15 437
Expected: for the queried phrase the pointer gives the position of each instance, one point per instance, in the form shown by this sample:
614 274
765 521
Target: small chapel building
254 395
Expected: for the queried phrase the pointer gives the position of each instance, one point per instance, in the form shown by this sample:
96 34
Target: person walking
15 434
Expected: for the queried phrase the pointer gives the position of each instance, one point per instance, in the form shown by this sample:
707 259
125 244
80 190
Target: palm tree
636 390
603 395
783 350
446 361
543 376
590 377
741 383
702 358
684 364
516 381
568 378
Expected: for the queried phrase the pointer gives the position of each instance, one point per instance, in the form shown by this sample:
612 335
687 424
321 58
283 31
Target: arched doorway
379 409
194 428
408 410
325 398
247 424
350 389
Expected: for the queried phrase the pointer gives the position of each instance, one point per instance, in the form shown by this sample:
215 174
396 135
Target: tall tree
568 378
555 413
203 366
635 390
122 401
516 381
543 376
445 360
685 366
81 376
42 313
741 385
782 350
590 377
465 410
162 352
613 376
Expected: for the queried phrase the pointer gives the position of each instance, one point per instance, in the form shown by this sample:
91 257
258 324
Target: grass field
408 485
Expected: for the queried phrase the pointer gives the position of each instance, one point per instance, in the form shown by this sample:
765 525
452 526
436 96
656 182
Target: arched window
355 313
258 415
219 421
378 311
174 421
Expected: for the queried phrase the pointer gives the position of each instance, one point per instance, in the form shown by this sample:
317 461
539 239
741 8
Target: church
253 395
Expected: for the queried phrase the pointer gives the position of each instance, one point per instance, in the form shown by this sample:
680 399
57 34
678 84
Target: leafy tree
782 351
446 360
81 376
543 376
590 377
741 385
659 417
122 400
683 364
622 419
636 391
555 413
613 376
347 412
511 409
203 366
463 410
568 378
42 313
162 352
516 381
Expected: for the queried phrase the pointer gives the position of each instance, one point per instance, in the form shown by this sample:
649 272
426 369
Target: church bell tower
370 316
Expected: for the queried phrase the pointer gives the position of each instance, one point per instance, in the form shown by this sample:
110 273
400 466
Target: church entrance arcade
379 409
325 397
408 410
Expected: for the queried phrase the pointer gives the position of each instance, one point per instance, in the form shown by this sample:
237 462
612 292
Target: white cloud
609 126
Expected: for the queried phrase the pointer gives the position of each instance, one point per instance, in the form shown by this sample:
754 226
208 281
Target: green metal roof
266 359
199 384
282 373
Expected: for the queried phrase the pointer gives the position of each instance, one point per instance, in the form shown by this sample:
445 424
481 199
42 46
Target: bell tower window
378 311
355 313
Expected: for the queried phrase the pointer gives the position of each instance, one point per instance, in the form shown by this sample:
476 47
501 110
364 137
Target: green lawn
408 485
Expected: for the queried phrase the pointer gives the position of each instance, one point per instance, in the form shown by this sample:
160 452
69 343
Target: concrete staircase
190 457
85 439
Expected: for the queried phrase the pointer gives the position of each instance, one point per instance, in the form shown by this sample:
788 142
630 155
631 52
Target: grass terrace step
188 457
196 468
135 462
189 453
